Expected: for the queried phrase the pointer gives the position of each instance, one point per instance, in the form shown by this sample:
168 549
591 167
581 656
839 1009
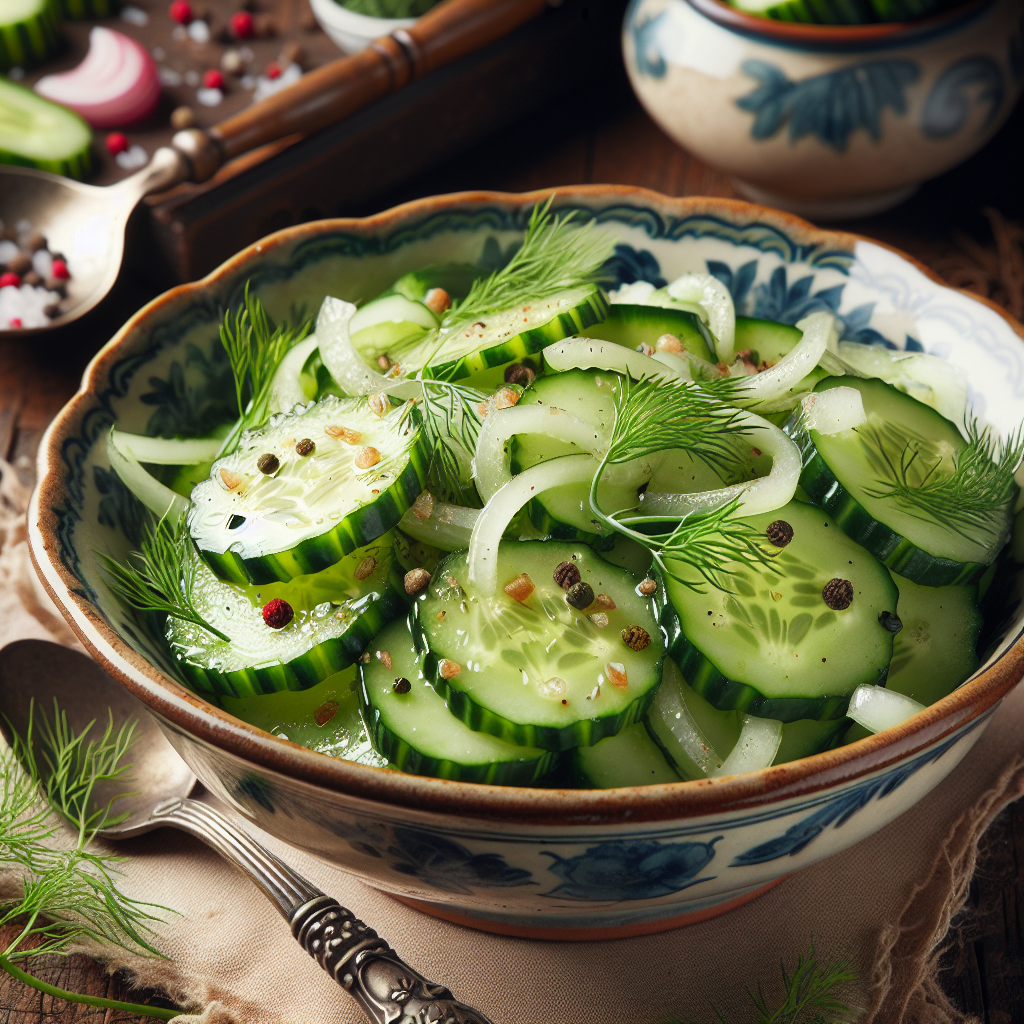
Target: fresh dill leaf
970 491
255 348
556 256
809 995
69 886
161 576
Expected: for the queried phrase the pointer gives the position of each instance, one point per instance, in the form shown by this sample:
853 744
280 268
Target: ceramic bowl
554 863
826 121
350 30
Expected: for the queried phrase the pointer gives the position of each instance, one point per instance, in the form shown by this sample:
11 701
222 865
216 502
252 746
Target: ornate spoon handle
351 952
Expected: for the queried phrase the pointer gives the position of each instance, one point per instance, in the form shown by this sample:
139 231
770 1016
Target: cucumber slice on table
413 729
565 513
818 12
319 640
37 133
774 646
29 33
311 511
936 649
850 475
631 325
326 718
455 278
630 758
512 334
538 672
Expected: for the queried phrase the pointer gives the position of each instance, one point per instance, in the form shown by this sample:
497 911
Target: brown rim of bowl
834 36
186 712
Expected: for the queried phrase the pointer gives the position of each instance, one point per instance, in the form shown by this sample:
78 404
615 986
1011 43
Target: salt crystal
42 263
199 32
132 159
8 250
210 97
168 76
268 86
134 16
26 304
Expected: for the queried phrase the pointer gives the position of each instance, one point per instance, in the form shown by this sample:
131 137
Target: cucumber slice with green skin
77 10
816 12
417 734
313 510
789 656
807 737
37 133
512 334
29 33
565 513
455 278
631 325
844 472
538 673
257 660
936 649
326 718
630 758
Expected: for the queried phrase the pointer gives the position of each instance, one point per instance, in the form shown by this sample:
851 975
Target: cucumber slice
768 342
417 734
29 33
845 472
817 12
325 718
537 673
807 737
630 758
37 133
774 647
512 334
318 641
631 325
455 278
936 649
78 10
565 513
313 510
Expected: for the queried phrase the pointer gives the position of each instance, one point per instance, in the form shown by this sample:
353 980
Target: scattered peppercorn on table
624 147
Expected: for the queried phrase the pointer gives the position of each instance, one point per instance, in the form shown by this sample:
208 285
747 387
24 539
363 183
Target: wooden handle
449 31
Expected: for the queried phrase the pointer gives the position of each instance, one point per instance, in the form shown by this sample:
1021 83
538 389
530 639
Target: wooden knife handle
449 31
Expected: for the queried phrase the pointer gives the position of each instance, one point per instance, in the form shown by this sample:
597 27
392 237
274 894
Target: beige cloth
885 904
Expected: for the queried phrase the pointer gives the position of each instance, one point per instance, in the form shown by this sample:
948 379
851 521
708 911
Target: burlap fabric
885 904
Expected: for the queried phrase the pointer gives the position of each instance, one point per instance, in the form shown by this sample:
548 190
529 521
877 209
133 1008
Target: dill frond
255 347
161 576
556 256
971 499
809 995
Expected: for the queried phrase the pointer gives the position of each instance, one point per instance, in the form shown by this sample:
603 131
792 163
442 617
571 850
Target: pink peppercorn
59 270
15 322
117 142
180 11
213 79
277 613
9 279
273 71
242 25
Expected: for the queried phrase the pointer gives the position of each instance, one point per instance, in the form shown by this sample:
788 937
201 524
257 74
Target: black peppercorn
890 621
402 685
307 446
566 575
268 463
838 594
519 373
636 638
581 595
780 533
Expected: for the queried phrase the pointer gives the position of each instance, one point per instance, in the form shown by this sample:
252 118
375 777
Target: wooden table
985 960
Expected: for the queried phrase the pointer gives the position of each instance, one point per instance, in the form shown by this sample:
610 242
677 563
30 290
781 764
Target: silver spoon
388 989
86 224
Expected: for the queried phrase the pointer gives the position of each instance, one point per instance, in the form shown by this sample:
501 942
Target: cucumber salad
513 528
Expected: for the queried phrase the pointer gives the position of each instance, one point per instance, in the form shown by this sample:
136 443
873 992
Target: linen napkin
884 904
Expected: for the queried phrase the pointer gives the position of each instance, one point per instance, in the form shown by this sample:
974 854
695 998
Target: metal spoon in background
388 990
86 223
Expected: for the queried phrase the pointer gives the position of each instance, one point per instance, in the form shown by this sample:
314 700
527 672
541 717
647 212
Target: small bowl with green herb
354 24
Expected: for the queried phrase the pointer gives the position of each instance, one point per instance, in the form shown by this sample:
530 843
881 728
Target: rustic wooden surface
984 964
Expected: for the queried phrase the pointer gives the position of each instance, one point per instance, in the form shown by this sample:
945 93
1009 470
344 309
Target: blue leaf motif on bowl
630 870
649 58
949 103
629 265
830 107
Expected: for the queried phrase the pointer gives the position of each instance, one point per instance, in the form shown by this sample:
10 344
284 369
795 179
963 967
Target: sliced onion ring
166 451
876 708
829 412
504 506
157 497
756 748
765 494
714 298
671 707
589 354
286 390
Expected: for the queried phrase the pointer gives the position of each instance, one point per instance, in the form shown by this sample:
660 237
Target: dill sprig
68 890
255 348
160 577
974 498
655 416
809 995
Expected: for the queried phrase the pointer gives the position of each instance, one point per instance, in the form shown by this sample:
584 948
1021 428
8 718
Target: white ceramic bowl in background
826 121
350 30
